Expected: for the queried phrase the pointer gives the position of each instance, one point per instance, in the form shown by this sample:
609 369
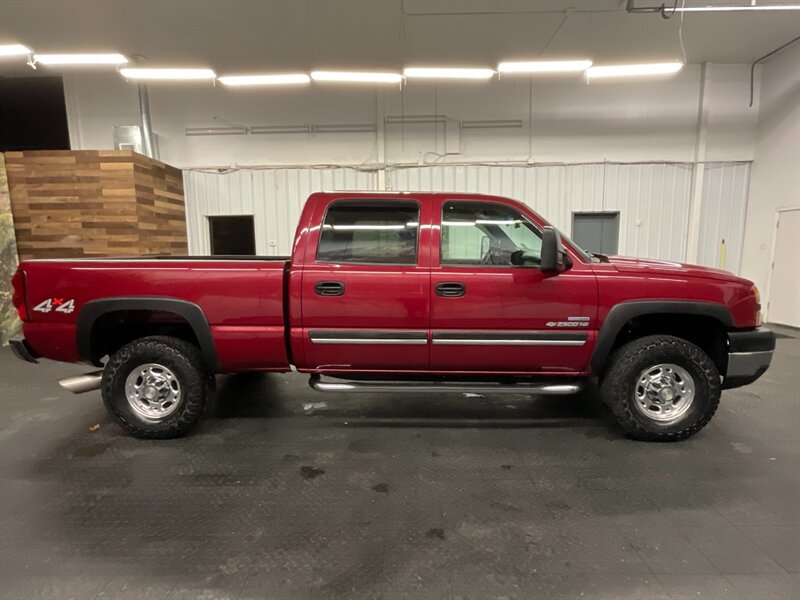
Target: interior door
596 232
366 291
784 307
492 308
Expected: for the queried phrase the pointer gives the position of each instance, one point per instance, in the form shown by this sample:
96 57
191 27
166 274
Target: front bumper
749 356
22 350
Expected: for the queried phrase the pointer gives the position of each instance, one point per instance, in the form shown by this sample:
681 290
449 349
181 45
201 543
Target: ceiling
248 35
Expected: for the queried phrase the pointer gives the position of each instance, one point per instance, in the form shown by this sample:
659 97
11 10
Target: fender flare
620 314
189 311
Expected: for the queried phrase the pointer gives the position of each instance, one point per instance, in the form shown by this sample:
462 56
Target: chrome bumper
749 356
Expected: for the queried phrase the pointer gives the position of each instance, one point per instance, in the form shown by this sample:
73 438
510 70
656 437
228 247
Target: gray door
596 232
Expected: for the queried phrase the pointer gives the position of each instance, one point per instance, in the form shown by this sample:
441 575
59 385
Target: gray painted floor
285 493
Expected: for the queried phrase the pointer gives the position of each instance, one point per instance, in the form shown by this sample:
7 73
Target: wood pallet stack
73 203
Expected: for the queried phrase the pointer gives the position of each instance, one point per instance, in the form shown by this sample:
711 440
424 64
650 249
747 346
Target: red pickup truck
395 292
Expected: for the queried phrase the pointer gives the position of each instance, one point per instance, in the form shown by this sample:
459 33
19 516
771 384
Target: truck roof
376 194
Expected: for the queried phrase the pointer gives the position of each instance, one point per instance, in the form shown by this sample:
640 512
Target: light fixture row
535 67
431 73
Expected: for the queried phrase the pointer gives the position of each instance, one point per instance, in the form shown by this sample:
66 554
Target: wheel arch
190 313
621 316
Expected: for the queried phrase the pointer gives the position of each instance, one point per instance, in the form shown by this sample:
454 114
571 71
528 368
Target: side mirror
486 244
553 257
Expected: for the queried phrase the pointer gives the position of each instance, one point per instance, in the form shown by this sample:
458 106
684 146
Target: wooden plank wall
74 203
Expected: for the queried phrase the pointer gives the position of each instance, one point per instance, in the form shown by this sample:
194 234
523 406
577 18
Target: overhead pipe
144 117
765 57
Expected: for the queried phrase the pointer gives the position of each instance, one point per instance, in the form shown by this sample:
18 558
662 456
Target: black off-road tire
618 387
186 363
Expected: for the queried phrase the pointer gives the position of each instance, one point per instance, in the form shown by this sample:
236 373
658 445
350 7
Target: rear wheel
661 388
156 387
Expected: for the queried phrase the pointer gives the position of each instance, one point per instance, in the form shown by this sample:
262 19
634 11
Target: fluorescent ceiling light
356 77
280 79
14 50
168 74
80 59
447 73
633 70
735 8
544 66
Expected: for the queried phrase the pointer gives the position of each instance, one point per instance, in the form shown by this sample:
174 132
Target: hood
645 266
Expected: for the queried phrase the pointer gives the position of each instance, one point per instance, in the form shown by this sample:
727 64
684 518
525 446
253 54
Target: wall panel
653 199
274 197
725 187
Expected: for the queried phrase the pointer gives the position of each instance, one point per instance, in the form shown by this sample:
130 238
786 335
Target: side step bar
82 383
434 386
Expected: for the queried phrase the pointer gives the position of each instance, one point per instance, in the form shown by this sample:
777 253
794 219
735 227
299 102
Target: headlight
757 296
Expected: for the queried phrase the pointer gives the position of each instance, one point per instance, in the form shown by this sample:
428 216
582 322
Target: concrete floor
285 493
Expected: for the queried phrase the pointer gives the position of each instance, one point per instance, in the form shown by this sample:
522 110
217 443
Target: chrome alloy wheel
664 392
153 391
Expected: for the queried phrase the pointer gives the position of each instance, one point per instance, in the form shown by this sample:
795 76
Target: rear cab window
370 232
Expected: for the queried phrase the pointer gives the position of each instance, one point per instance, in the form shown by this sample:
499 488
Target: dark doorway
232 235
33 114
596 231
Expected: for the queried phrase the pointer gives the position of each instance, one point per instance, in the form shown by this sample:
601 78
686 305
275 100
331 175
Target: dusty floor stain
435 532
310 472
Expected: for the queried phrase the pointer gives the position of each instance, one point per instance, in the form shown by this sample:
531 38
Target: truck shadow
259 395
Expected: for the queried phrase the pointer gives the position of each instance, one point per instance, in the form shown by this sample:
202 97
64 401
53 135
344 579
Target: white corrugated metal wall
274 197
652 199
722 216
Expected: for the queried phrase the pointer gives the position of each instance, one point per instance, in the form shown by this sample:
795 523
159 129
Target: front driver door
493 310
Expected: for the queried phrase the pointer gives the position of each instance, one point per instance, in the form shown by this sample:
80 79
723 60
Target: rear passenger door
366 287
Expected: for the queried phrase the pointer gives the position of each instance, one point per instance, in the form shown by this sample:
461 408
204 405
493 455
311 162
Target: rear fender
190 312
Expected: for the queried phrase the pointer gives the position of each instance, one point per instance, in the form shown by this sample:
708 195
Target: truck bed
242 299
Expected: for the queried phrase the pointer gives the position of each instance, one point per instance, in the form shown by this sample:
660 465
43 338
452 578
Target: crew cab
394 292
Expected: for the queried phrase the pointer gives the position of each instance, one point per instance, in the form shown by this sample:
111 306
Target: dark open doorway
232 235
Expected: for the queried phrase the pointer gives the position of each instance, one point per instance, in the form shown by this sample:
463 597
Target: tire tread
193 403
623 361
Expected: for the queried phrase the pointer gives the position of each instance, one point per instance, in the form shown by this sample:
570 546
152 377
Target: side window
486 233
373 232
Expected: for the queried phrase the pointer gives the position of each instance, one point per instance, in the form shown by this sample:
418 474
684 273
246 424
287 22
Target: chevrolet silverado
395 292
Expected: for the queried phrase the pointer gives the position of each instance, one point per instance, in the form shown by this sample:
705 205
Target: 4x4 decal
61 305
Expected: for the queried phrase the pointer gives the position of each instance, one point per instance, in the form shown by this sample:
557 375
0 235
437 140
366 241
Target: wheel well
112 330
706 332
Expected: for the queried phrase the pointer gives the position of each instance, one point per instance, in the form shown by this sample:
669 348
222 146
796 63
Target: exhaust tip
82 383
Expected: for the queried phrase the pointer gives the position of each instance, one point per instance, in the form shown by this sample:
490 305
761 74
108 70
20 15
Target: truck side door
366 286
492 312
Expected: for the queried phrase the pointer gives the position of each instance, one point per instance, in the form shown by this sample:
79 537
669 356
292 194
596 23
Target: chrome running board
374 387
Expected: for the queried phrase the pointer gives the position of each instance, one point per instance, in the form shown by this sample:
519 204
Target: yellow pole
722 254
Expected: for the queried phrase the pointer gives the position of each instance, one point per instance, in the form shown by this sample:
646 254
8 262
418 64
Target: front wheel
661 388
156 387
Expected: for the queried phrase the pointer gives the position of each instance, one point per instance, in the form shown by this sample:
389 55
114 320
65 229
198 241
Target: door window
371 232
490 234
